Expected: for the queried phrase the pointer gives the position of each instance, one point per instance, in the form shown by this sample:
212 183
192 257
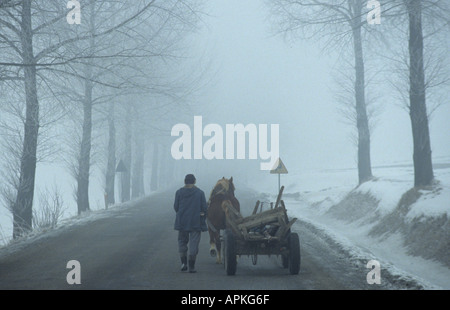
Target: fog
262 78
237 69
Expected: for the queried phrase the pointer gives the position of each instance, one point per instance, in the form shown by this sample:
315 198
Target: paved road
136 248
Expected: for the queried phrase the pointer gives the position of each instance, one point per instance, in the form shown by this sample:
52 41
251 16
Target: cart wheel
230 261
285 258
294 254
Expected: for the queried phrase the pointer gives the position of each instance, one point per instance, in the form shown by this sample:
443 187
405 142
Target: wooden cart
262 233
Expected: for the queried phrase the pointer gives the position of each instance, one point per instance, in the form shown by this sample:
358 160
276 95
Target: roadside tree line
110 77
405 40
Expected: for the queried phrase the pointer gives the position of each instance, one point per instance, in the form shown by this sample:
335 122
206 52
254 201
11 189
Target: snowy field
313 197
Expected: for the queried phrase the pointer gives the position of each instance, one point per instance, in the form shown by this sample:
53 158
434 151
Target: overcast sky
261 78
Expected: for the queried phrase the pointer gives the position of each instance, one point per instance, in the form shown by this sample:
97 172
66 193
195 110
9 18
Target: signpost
279 168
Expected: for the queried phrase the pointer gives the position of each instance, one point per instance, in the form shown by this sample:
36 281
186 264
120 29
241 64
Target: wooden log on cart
270 225
263 218
258 226
255 209
279 196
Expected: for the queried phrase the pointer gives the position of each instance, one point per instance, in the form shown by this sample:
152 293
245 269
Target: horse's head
224 187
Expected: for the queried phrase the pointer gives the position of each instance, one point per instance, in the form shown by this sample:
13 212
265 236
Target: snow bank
432 203
406 228
387 192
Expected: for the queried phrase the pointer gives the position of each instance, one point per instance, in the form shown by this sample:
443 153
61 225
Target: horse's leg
219 249
212 243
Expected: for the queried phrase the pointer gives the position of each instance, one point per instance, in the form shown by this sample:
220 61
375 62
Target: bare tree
133 67
137 181
23 22
36 38
339 22
8 3
22 215
344 90
111 164
51 208
423 168
422 71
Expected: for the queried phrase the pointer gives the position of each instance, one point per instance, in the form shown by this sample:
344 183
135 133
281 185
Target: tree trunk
138 167
154 178
126 176
423 167
86 139
362 121
23 207
85 151
111 166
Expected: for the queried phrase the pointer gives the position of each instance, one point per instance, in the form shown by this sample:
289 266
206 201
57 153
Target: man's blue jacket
190 206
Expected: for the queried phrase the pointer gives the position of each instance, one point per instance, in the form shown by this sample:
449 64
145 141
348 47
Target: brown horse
221 198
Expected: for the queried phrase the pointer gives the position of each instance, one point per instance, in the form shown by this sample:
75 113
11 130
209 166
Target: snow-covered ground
51 177
368 228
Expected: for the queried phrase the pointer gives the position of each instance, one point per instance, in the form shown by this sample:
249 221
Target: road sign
279 168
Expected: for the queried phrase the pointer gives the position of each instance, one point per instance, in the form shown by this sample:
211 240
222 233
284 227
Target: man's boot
192 264
184 266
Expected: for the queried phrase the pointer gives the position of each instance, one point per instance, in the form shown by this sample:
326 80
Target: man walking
190 221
